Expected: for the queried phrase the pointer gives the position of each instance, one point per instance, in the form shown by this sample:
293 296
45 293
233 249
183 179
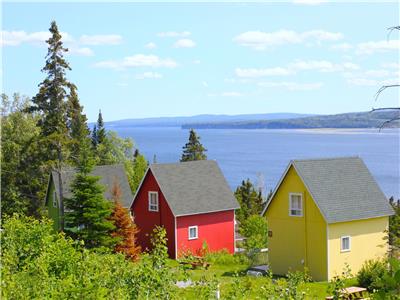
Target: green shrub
370 274
223 257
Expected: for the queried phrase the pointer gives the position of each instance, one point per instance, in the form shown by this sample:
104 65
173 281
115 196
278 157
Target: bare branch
384 87
387 122
391 29
385 108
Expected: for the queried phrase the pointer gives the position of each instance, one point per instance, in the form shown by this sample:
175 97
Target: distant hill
347 120
180 121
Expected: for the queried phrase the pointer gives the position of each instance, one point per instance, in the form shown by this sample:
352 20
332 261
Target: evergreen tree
101 131
193 149
250 200
50 102
126 230
89 213
94 137
77 124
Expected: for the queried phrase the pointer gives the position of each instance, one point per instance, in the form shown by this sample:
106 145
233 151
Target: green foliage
136 173
250 200
389 283
101 131
39 264
24 176
337 284
206 288
224 258
239 288
193 149
88 216
394 227
255 229
370 274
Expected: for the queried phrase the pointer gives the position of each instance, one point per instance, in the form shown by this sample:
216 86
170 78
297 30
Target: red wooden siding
146 220
217 229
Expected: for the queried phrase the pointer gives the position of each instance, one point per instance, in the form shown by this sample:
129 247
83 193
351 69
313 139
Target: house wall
147 220
296 242
367 242
216 229
53 212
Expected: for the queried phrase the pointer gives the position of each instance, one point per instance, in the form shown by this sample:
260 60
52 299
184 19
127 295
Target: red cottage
193 202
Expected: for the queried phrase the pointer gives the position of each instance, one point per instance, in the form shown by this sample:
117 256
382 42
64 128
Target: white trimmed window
153 201
295 205
54 199
193 232
345 243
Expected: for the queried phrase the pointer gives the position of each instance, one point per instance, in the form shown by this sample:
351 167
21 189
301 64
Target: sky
136 60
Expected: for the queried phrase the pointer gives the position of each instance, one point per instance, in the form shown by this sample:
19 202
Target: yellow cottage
324 214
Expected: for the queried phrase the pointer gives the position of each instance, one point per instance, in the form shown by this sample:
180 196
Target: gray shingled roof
194 187
343 189
108 175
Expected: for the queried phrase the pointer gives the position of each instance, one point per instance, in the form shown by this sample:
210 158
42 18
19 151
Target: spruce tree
77 124
250 200
89 213
125 229
50 104
193 149
94 137
140 165
101 131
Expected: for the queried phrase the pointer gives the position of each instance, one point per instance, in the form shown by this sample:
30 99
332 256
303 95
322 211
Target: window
54 199
193 232
295 205
345 243
153 201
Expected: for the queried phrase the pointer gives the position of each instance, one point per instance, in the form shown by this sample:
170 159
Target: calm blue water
248 153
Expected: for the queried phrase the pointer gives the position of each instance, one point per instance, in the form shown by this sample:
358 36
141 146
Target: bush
370 274
223 257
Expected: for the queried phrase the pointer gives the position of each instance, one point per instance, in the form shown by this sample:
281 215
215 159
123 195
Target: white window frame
290 204
197 232
341 243
54 199
152 205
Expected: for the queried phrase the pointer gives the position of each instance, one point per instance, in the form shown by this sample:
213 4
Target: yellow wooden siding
296 242
367 242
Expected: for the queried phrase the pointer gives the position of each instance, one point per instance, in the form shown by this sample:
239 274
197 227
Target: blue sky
134 60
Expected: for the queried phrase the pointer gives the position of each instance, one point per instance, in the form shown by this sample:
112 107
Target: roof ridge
182 162
325 158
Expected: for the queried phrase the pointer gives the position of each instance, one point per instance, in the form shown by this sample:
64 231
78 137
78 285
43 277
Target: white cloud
260 40
196 61
84 51
292 86
149 75
205 84
100 39
150 45
393 65
295 67
225 94
342 47
174 34
16 38
254 73
231 94
184 43
372 82
309 2
138 60
378 46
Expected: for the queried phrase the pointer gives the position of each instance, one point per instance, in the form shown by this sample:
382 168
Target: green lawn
225 274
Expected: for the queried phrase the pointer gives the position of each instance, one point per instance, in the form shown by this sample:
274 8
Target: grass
227 273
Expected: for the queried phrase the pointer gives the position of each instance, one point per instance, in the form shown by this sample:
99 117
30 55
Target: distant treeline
348 120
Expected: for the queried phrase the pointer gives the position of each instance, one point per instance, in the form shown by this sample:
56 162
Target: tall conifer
193 149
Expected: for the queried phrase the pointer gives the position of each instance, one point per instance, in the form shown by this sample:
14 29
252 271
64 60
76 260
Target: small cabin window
295 205
54 199
153 201
193 232
345 243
